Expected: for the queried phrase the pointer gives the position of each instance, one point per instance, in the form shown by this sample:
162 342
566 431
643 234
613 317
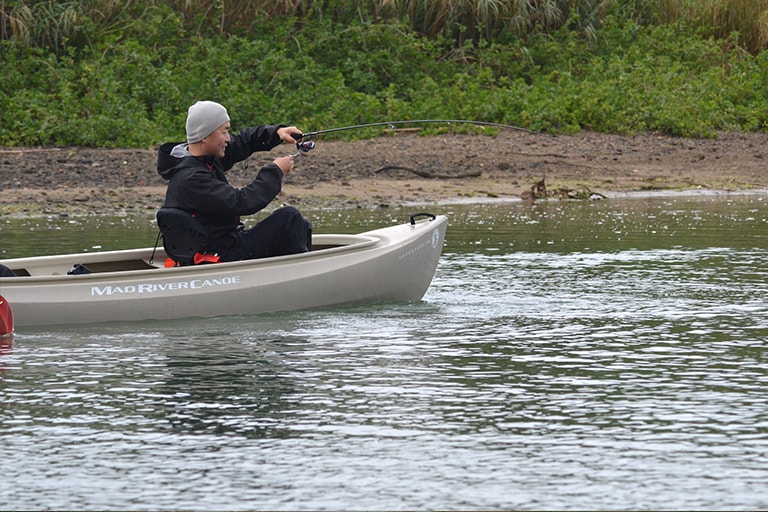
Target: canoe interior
145 259
96 267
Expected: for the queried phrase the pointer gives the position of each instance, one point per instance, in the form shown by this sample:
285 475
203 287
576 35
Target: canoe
391 264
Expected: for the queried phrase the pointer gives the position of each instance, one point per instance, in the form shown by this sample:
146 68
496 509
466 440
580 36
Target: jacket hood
169 156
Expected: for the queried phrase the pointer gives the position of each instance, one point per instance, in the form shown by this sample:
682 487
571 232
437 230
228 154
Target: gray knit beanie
203 118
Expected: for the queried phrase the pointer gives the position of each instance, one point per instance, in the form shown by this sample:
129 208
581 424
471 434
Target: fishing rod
305 146
393 125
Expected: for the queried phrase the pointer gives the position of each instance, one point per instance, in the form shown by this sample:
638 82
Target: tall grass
722 18
54 23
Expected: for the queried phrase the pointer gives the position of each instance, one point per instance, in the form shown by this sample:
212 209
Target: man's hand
286 134
285 163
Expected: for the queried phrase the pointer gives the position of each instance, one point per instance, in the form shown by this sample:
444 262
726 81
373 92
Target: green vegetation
122 74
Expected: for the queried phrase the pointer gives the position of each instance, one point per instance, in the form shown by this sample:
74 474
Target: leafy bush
133 89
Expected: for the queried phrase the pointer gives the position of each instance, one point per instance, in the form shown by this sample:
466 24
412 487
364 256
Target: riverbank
402 168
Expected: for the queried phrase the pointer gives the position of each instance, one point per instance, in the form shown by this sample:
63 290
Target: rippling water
568 356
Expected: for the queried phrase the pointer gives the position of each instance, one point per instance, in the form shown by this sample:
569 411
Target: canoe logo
145 288
435 240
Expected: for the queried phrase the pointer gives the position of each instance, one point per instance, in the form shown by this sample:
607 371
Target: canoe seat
183 236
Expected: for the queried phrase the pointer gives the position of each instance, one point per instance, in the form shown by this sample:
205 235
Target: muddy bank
401 168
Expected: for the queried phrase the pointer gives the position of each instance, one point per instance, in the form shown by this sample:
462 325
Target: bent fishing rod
304 146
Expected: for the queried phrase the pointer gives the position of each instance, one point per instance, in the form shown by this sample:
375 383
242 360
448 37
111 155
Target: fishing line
394 124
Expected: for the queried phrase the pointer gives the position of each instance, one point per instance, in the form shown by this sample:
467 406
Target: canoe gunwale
32 269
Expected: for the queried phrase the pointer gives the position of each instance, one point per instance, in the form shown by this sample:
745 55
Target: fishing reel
303 147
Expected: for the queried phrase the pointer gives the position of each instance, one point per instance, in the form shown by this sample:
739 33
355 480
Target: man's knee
288 213
292 218
298 230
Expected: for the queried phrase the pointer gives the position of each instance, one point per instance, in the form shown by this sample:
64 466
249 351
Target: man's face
216 143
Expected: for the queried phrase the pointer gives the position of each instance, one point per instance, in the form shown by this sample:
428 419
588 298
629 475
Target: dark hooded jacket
199 185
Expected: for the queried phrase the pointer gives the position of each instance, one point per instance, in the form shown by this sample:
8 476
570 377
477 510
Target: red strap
205 258
198 259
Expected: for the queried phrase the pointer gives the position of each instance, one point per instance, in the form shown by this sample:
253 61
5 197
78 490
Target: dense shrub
128 80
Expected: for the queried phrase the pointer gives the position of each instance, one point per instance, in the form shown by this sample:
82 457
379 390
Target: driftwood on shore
427 174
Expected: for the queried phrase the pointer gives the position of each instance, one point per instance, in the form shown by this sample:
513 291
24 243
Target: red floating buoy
6 317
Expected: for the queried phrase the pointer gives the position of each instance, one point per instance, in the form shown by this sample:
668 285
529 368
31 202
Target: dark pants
6 272
284 232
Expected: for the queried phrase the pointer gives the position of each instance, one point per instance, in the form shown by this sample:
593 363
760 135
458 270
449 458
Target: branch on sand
427 174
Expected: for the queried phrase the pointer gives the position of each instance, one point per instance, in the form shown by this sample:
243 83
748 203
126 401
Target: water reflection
613 225
55 234
215 386
734 221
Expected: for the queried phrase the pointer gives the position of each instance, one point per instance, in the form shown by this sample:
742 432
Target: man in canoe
195 171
